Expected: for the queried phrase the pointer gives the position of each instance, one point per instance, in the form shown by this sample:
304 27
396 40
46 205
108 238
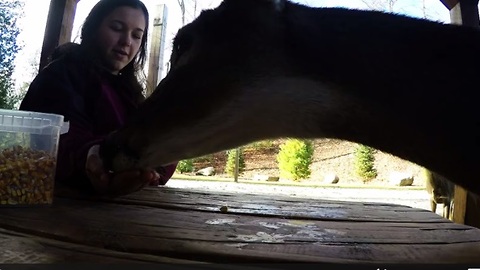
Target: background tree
231 158
190 9
294 159
27 78
365 162
10 12
185 166
428 12
181 3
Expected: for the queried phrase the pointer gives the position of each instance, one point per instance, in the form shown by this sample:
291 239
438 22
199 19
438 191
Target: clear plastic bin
28 156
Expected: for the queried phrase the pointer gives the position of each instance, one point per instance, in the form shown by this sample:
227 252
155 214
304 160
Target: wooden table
168 225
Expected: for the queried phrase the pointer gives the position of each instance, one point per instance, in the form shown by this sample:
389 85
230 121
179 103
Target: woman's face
119 37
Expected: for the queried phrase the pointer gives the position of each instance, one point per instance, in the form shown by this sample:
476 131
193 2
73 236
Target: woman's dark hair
62 50
92 23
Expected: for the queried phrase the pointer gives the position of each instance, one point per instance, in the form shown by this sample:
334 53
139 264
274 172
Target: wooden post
155 61
459 205
465 12
465 211
59 26
472 210
237 163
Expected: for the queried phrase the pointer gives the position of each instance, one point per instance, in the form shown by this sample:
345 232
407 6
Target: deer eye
181 45
179 49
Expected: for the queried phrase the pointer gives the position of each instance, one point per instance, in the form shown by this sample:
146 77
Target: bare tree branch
181 3
195 6
424 10
383 5
391 3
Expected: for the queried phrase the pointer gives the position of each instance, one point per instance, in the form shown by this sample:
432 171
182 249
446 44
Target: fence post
237 163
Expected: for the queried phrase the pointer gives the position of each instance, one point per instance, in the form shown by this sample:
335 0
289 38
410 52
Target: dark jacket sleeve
59 89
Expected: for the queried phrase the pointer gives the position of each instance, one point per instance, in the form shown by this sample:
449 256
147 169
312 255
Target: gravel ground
412 198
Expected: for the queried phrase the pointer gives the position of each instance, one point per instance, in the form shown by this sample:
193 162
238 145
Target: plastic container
28 156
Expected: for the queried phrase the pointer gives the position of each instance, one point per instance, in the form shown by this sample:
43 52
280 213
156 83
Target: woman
94 86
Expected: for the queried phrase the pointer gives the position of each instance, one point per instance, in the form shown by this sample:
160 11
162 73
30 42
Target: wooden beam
449 3
465 12
155 61
472 210
59 26
459 205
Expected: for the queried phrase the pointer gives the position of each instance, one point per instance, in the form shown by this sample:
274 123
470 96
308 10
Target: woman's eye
116 27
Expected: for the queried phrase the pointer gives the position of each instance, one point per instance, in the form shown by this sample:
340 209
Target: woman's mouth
120 54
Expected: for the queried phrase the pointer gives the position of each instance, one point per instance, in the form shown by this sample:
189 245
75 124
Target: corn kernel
26 176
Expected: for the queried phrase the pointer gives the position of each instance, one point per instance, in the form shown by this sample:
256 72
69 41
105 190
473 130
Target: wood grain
187 225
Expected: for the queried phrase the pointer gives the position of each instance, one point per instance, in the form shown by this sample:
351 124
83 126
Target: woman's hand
116 184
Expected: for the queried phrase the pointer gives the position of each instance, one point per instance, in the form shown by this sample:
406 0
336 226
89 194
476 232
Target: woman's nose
126 40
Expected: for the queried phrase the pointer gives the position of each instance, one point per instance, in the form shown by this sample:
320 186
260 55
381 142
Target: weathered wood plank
172 225
277 206
274 205
107 223
22 248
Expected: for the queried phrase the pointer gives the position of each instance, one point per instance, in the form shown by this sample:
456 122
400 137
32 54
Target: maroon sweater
92 101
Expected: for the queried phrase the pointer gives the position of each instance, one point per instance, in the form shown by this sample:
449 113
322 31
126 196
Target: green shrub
365 162
230 164
185 166
294 159
206 158
265 144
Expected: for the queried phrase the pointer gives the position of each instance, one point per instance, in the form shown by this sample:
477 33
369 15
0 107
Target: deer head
257 69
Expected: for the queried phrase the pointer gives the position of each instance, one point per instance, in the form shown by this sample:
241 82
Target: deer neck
362 84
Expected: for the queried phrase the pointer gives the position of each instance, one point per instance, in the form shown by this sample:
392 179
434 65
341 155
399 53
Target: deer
251 70
440 191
